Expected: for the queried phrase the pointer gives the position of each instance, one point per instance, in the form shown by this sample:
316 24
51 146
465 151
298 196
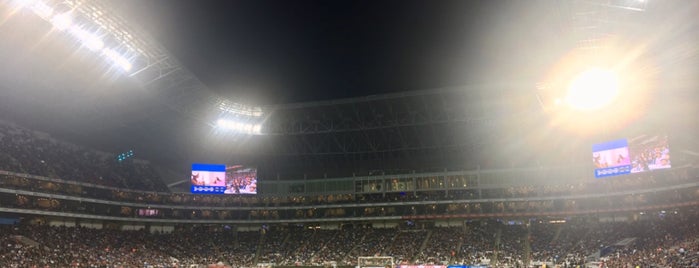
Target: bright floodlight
62 21
593 89
241 127
40 8
240 109
117 59
89 40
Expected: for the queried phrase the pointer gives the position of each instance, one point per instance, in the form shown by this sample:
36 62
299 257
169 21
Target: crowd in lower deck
663 240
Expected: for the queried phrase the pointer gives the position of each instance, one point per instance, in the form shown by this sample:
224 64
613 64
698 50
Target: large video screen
208 178
241 180
611 158
624 156
222 179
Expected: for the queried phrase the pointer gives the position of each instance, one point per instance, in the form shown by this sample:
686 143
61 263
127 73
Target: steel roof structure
429 129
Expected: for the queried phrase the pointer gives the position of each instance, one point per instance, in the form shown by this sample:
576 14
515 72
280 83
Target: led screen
241 180
611 158
208 178
650 153
222 179
624 156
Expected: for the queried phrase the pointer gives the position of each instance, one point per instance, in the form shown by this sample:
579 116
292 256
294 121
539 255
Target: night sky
270 52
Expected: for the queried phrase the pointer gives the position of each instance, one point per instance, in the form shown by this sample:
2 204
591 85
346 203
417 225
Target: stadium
401 134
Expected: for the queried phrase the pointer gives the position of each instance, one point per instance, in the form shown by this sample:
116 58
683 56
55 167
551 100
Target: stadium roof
346 55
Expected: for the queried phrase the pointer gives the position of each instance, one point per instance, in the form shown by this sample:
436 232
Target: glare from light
38 7
23 3
42 10
241 127
89 40
62 21
117 59
593 89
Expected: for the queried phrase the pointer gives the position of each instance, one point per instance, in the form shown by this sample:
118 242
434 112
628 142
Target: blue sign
199 189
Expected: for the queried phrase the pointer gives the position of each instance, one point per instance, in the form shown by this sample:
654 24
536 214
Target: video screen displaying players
640 154
222 179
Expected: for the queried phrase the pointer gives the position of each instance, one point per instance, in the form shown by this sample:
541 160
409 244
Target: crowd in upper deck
669 241
30 152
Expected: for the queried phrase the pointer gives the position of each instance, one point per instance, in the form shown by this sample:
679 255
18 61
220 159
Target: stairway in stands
528 246
424 242
497 245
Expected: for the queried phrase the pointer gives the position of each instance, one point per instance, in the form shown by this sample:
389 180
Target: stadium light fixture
40 8
593 89
66 22
241 127
240 109
257 129
117 59
62 21
89 40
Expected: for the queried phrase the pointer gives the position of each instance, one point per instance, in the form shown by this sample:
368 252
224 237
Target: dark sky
268 52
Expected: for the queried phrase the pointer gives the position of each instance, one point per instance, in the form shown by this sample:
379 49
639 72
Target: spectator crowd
670 240
26 151
667 240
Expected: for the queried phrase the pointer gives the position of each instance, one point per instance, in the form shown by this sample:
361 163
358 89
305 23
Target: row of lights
240 118
64 23
239 109
93 41
125 155
241 127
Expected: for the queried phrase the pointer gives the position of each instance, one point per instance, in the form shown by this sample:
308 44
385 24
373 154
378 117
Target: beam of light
241 127
89 40
117 59
593 89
